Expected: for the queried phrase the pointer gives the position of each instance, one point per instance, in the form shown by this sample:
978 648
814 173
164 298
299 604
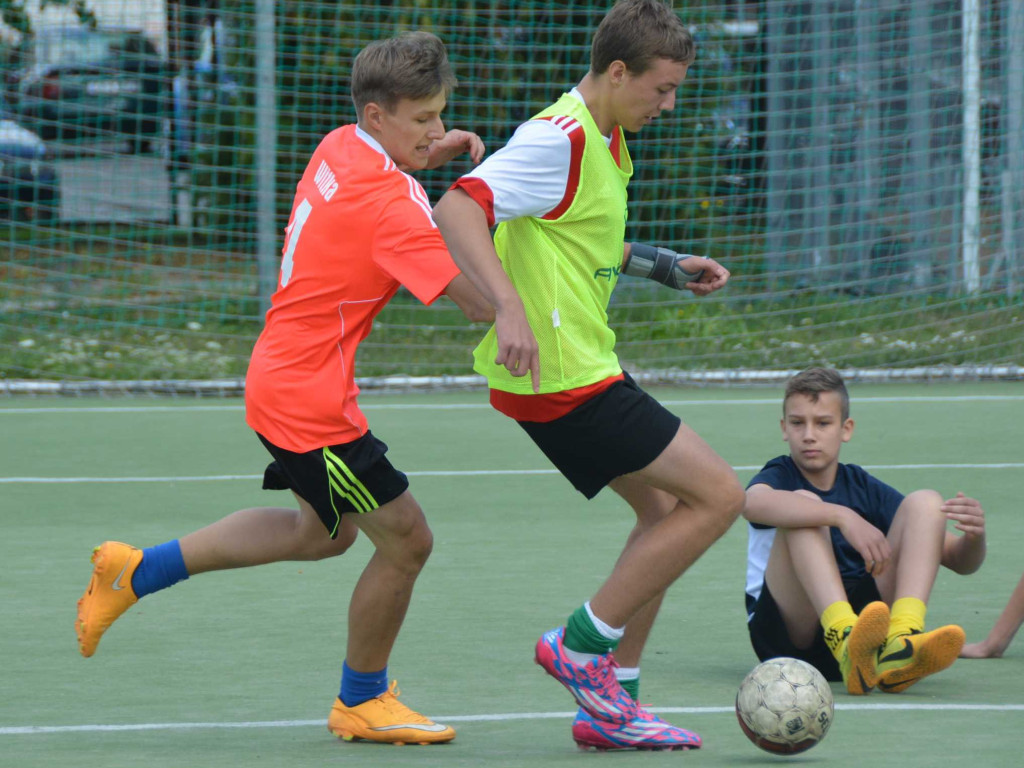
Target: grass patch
188 330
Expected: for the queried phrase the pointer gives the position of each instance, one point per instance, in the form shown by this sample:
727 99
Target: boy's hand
966 513
454 143
869 541
518 350
713 277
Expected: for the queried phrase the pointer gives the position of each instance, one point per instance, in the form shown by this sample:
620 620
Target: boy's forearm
1013 614
789 509
1009 621
463 225
965 554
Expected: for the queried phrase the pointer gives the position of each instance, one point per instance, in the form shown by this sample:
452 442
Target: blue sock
357 687
161 567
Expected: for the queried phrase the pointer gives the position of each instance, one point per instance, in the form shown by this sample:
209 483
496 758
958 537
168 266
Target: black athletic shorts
616 432
349 477
769 637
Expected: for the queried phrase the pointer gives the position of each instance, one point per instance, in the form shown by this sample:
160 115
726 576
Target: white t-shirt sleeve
528 176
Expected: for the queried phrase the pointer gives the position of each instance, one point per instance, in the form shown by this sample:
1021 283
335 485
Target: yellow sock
907 616
836 620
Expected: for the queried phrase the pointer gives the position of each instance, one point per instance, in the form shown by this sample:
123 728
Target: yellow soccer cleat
859 655
109 593
908 658
386 719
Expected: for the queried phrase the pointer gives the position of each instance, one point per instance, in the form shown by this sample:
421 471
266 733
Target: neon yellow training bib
565 265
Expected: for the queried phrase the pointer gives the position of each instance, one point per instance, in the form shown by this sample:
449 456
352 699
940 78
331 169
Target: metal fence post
266 148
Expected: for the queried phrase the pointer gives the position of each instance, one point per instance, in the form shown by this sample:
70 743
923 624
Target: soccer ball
784 706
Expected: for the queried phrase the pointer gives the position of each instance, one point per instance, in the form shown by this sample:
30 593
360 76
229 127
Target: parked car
28 180
79 82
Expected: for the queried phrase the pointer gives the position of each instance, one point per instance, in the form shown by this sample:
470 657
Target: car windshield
77 49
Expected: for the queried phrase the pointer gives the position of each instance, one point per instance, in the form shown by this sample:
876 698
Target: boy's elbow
967 566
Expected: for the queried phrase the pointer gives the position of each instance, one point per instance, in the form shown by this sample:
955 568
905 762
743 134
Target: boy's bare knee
421 545
406 539
409 551
924 504
347 535
727 506
315 542
733 499
805 535
924 498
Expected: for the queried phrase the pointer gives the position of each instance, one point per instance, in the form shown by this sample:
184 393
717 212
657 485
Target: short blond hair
412 65
812 382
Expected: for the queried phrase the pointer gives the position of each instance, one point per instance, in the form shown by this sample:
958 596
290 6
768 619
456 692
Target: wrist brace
660 265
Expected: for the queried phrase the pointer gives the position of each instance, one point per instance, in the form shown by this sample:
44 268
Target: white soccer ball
784 706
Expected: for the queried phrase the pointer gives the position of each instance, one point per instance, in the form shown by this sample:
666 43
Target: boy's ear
617 72
847 430
373 116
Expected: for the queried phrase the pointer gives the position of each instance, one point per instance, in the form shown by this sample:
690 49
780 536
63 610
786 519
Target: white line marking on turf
444 473
483 405
29 730
441 473
212 478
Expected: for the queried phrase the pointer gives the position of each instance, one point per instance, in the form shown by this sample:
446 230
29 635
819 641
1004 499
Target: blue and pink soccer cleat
644 732
593 685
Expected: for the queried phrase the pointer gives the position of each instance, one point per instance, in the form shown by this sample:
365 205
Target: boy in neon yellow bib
557 191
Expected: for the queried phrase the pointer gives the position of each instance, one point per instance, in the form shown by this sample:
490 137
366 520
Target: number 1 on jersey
292 232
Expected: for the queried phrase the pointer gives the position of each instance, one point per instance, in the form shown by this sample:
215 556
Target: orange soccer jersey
359 228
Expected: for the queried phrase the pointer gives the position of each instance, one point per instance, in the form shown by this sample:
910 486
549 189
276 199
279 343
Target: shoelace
397 708
603 673
603 676
642 713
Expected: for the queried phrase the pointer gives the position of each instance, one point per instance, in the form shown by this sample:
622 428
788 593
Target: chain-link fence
857 164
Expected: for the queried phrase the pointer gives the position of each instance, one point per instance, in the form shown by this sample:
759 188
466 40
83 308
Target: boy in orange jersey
360 227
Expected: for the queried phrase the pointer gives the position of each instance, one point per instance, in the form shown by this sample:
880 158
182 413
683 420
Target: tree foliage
14 15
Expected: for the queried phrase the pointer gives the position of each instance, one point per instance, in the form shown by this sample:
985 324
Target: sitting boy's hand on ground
966 513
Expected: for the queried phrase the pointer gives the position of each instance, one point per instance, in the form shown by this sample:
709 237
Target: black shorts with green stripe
348 477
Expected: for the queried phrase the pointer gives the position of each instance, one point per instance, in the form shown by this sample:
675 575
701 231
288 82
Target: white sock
627 673
580 659
606 630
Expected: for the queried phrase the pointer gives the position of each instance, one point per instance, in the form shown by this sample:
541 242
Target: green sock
631 685
583 637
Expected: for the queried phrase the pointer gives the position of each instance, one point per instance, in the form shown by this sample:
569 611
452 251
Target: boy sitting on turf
827 541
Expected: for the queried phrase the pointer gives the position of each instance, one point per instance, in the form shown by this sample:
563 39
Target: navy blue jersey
854 487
